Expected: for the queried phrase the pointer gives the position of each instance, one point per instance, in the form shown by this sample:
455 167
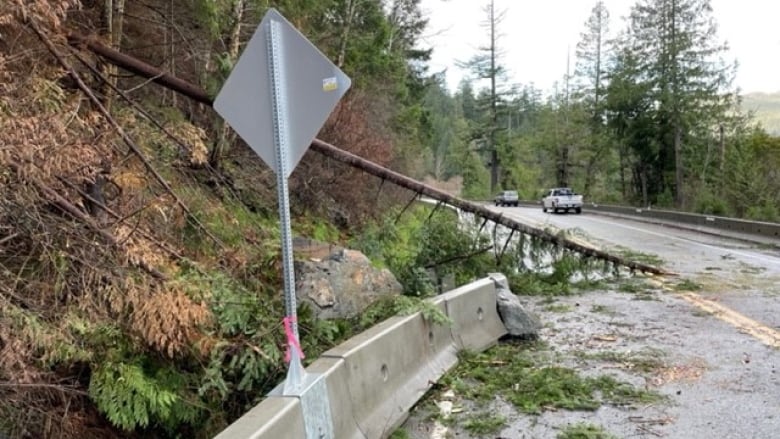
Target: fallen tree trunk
476 209
192 91
140 68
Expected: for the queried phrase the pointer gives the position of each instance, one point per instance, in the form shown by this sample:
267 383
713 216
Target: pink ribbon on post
291 340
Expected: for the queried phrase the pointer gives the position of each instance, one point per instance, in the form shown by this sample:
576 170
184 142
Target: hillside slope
140 278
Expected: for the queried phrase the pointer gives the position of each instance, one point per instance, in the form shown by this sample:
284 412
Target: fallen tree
154 74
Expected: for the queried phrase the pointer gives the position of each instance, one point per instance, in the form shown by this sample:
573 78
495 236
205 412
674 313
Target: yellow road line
763 333
745 324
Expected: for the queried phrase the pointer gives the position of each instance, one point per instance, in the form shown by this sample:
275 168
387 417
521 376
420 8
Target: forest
647 115
140 262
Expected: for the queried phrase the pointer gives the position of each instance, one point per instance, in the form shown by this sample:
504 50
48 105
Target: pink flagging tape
291 339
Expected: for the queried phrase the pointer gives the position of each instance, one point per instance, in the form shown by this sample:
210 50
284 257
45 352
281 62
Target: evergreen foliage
487 65
648 118
131 398
686 85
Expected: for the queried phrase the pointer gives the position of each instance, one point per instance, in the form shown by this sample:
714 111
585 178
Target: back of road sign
311 86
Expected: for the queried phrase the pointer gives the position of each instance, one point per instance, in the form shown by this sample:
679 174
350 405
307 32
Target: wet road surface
718 337
743 276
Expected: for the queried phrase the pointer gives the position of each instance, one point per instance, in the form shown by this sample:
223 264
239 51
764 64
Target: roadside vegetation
687 285
529 376
647 361
483 424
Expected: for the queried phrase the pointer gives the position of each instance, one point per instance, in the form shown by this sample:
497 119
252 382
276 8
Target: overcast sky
536 34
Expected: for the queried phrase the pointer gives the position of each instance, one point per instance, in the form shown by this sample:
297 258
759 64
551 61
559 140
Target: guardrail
734 225
374 378
758 228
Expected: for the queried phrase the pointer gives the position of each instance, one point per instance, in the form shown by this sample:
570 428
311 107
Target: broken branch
128 141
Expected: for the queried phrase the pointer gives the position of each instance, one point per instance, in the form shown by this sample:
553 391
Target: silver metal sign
277 97
311 85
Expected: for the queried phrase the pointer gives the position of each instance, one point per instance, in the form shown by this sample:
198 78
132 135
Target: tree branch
133 147
69 208
459 257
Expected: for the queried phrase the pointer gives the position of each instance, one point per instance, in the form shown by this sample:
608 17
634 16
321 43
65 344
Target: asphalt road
719 338
743 276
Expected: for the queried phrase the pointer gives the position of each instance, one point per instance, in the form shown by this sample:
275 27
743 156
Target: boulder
518 321
338 282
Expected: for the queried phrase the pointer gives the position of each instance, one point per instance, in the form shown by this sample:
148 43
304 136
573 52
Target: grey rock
341 284
518 321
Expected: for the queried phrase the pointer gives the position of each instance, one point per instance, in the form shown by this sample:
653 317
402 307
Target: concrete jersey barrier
757 228
375 377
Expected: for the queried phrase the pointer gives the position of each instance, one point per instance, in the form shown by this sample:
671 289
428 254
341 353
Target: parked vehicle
562 199
507 198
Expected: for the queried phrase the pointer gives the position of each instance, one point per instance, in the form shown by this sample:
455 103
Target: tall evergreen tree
630 117
518 149
442 121
594 52
675 44
467 154
486 65
468 102
593 55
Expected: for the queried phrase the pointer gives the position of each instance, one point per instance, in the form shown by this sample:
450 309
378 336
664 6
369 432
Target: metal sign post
279 114
281 73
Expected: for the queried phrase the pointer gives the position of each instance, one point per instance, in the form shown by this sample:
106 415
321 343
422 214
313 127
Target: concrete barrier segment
276 417
443 350
758 228
334 372
389 369
374 378
476 324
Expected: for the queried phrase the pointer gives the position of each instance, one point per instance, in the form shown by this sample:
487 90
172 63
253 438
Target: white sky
536 34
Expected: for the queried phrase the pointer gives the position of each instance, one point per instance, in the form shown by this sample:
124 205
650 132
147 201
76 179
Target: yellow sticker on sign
330 84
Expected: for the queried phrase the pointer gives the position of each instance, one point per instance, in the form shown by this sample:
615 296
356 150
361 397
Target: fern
433 314
213 380
319 335
128 397
248 357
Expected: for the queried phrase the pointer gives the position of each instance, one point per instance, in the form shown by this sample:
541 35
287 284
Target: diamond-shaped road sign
311 87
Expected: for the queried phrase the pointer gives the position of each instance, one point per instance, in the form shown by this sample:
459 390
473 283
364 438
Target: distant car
562 198
507 198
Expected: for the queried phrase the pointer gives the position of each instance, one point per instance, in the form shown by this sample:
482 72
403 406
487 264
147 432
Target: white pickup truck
562 198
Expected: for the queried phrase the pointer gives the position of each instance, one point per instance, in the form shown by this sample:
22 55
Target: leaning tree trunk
139 67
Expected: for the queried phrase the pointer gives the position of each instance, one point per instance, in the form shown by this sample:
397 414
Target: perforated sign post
277 97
